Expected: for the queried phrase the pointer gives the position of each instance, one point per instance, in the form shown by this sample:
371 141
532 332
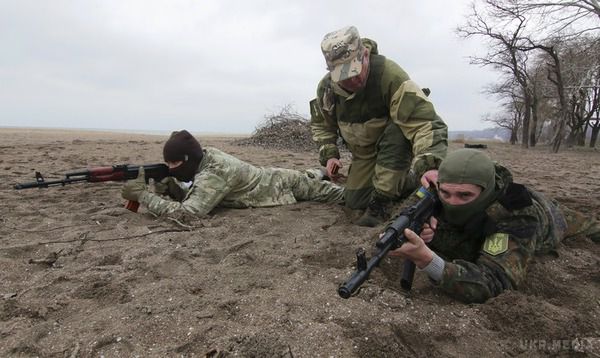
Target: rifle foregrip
132 205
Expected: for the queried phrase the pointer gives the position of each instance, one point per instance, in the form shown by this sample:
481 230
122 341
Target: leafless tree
537 92
511 116
509 119
574 73
564 12
564 21
518 33
555 76
504 31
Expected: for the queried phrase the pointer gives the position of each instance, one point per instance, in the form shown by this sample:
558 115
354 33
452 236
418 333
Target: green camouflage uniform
390 126
223 180
493 251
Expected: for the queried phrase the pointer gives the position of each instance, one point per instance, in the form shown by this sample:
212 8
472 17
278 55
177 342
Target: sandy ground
83 277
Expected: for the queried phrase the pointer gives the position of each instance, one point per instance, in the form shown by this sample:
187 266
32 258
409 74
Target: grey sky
214 66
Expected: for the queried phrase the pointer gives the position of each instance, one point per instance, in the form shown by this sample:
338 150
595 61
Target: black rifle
393 237
110 173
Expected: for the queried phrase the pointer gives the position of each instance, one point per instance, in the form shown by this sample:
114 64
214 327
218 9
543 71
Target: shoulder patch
495 244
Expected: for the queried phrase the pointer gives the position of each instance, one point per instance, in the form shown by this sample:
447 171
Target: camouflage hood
473 167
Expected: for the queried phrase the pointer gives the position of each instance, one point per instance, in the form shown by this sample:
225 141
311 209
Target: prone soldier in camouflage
488 229
219 179
384 118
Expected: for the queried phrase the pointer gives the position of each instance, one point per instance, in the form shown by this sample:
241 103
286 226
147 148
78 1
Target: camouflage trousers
579 224
565 223
308 185
385 168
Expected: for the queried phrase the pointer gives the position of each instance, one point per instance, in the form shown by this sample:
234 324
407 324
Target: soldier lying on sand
219 179
488 229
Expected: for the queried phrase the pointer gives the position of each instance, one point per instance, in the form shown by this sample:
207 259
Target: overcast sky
214 66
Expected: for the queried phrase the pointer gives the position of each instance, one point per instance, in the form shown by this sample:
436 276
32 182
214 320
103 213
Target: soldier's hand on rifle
168 186
430 177
429 230
133 189
164 186
414 249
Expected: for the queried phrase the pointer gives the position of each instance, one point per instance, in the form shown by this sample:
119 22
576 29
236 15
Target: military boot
377 212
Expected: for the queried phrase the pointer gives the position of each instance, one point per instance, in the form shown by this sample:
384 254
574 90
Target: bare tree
574 74
564 21
584 106
568 11
556 77
504 30
537 92
511 117
517 33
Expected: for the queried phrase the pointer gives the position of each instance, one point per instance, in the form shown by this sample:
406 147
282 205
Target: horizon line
130 131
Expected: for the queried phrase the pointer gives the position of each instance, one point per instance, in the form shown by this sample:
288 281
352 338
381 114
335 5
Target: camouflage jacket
223 180
361 117
493 252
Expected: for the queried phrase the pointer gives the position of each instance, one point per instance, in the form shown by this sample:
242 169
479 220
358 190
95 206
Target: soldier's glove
169 186
163 187
133 189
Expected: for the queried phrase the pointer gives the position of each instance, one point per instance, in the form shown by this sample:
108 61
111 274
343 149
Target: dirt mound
284 130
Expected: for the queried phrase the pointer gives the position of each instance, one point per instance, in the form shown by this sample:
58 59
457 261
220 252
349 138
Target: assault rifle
393 237
119 172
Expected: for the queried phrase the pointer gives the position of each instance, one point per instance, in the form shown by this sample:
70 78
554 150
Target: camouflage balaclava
182 146
468 166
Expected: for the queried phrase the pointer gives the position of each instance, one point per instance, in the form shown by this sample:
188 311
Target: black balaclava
468 166
182 146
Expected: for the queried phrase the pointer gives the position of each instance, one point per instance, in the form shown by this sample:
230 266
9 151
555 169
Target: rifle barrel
360 276
48 183
393 237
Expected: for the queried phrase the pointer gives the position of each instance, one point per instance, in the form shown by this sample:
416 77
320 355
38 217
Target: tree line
548 56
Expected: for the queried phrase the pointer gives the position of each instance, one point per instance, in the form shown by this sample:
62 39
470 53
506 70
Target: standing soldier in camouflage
488 229
385 119
219 179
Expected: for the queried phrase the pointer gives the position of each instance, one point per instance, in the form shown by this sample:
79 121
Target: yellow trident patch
496 244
